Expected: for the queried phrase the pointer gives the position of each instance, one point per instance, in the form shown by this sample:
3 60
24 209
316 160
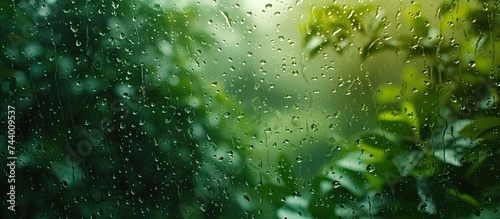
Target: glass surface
250 109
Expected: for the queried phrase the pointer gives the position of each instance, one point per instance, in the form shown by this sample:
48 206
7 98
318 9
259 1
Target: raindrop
336 184
296 194
270 192
299 159
64 184
370 168
487 200
115 5
247 199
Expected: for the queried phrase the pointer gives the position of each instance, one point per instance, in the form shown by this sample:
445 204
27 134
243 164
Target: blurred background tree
112 122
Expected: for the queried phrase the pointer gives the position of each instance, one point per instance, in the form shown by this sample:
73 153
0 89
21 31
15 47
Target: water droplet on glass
247 199
296 194
299 159
370 168
270 192
64 184
336 184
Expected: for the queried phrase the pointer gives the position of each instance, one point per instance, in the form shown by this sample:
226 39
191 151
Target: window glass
250 109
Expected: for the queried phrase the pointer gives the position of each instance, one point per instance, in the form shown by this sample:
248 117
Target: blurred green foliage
115 123
436 151
112 123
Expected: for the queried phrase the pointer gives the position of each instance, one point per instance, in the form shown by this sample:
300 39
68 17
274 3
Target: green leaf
446 7
350 180
399 128
407 162
420 26
484 128
404 123
426 193
317 48
463 196
481 20
373 46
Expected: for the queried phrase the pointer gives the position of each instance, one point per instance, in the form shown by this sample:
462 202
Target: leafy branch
439 137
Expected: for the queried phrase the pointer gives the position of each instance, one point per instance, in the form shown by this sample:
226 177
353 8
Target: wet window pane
250 109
